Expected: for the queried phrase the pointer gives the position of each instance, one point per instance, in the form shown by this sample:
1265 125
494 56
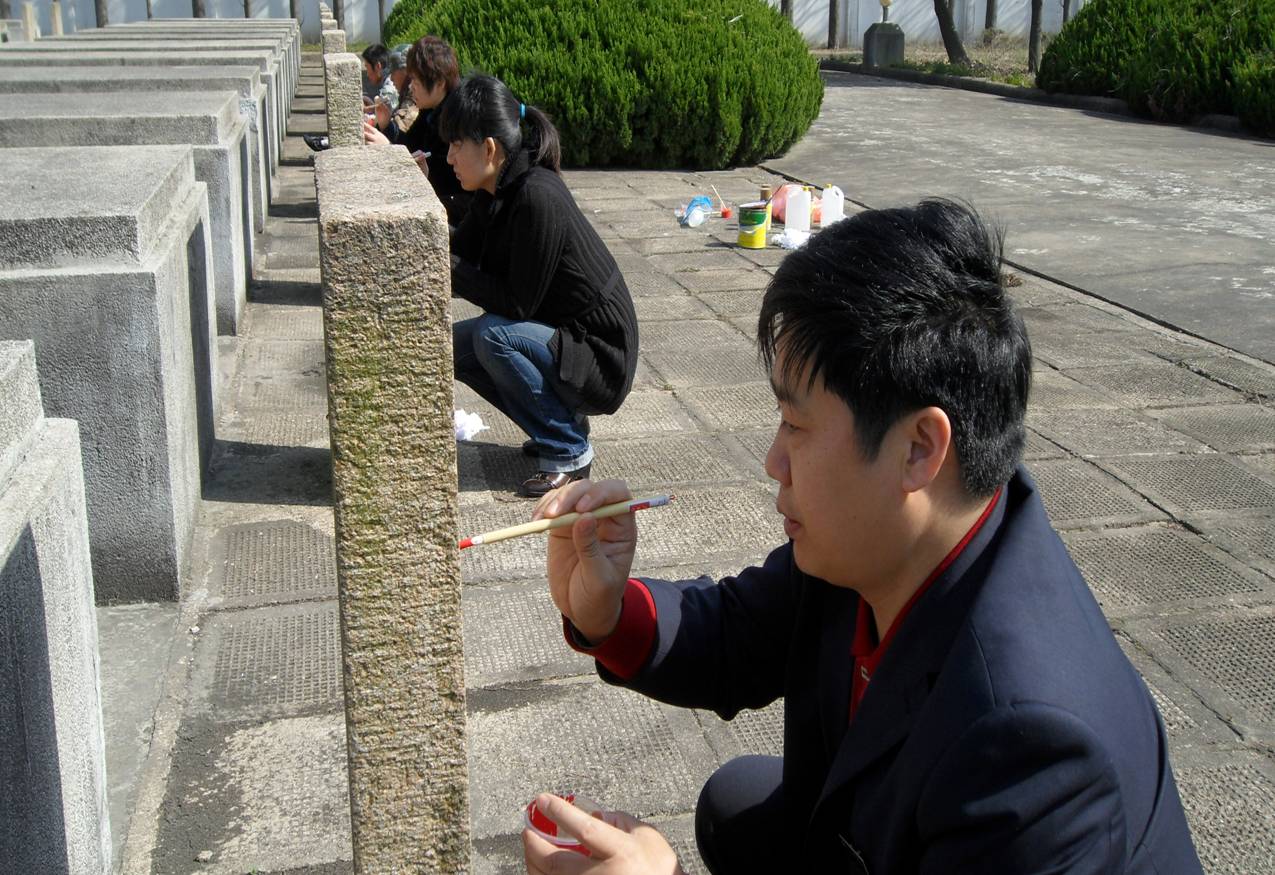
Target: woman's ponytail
542 139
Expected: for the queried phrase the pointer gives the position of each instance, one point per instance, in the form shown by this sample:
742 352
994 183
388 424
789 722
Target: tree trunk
380 20
785 6
247 8
951 36
989 21
1066 11
293 11
99 7
4 9
834 22
338 12
197 9
1033 37
150 10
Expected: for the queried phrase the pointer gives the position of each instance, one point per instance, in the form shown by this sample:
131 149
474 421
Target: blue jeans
509 364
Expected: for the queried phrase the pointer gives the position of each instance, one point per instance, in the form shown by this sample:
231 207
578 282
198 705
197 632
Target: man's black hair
900 309
376 54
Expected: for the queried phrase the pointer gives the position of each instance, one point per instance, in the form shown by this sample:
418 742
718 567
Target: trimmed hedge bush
1170 59
644 83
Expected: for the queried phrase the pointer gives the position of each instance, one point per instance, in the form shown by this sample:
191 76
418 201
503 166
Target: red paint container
538 822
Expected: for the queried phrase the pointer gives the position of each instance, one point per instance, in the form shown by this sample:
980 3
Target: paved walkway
1155 453
1173 222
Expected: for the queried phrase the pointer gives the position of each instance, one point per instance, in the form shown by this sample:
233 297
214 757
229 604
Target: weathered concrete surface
344 99
211 122
388 348
28 55
1172 222
103 264
333 41
53 813
257 110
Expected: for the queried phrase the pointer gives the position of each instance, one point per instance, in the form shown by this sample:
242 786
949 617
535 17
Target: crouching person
954 700
558 339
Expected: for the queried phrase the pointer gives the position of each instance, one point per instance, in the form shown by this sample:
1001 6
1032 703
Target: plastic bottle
834 205
797 218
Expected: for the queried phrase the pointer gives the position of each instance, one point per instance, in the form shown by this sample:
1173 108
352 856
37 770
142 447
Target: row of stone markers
136 167
387 332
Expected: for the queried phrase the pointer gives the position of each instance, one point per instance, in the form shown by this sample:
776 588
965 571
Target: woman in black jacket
432 73
559 337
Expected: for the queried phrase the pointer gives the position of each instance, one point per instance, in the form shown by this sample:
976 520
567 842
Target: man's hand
373 137
382 114
588 562
422 161
619 843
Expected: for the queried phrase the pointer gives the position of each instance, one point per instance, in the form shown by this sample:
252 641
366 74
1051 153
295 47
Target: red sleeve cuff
626 649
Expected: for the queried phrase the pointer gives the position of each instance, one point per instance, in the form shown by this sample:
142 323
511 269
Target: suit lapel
903 681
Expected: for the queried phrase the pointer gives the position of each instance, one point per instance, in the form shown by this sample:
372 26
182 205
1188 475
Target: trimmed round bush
1170 59
1255 92
641 83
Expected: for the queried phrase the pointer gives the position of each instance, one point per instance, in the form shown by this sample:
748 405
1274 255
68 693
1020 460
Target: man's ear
928 433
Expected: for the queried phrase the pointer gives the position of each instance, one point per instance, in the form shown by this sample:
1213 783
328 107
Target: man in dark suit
954 698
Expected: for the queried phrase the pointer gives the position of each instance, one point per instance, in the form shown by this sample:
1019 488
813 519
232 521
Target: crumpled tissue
467 424
791 238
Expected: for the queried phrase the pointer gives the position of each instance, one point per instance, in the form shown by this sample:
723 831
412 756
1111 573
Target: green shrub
1170 59
646 83
1255 92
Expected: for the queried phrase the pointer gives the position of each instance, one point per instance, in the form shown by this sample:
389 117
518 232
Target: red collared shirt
865 649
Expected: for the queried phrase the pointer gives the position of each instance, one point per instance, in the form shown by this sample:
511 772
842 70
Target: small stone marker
344 99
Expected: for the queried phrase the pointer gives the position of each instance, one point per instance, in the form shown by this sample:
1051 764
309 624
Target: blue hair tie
522 110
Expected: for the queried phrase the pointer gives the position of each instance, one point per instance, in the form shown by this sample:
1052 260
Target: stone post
388 341
55 10
53 808
344 99
333 41
30 23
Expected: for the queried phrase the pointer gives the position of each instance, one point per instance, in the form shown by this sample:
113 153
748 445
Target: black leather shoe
316 142
547 481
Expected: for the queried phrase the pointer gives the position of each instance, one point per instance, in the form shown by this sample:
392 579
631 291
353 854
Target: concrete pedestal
53 814
105 266
333 41
883 45
154 55
344 98
387 328
263 156
209 121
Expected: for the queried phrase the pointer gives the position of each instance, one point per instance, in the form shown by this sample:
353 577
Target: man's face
428 98
841 511
373 74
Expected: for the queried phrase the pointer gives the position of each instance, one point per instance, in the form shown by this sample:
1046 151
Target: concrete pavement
1172 222
1155 452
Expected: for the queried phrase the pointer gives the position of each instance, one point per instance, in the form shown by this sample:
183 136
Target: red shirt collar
865 649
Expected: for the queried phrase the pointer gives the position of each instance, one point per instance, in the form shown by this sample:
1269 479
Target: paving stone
1076 317
1236 373
722 280
700 355
1065 349
756 444
272 661
265 797
729 408
659 464
1187 719
282 374
1250 537
513 633
1154 384
304 427
759 731
642 414
1033 291
1238 428
744 302
284 322
1039 448
616 745
711 524
1077 494
709 259
646 281
665 308
1227 657
1157 566
1228 806
771 256
1187 484
1110 433
271 562
1052 390
684 240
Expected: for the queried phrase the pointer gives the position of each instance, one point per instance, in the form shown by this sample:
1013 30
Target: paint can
753 219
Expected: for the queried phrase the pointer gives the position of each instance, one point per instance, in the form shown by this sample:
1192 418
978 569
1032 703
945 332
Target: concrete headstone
344 99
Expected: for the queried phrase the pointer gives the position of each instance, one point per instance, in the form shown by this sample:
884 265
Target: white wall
917 18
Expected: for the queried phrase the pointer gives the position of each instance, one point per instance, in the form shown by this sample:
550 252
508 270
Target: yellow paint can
753 220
